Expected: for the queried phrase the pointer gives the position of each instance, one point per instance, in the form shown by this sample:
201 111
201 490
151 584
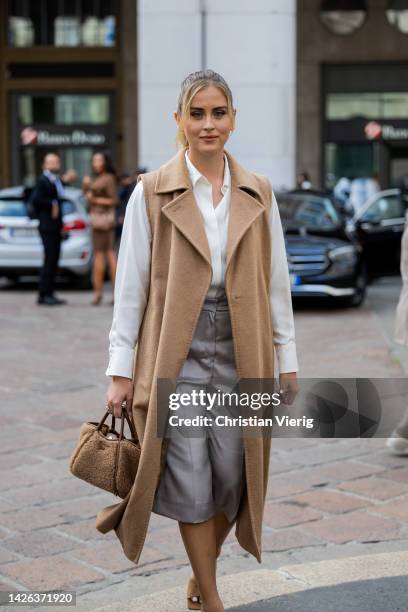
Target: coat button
236 297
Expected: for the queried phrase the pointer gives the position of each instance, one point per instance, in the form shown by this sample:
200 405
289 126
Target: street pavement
328 501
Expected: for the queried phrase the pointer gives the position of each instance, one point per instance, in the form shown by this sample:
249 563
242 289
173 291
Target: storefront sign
31 136
374 131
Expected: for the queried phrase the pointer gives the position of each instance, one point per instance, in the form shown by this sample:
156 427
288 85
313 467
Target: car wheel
361 288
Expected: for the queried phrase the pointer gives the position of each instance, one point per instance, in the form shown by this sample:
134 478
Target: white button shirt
133 272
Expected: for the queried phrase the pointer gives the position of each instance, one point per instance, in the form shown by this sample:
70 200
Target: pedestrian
126 186
403 186
398 441
102 196
341 190
46 200
303 181
361 190
203 289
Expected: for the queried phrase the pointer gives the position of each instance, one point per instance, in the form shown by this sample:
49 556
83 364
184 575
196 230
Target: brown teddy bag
105 458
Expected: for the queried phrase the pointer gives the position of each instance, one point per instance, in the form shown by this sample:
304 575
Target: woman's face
208 126
98 163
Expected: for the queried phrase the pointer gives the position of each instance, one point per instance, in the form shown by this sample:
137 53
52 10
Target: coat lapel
184 213
245 204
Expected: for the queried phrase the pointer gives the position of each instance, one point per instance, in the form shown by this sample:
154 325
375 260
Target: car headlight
345 254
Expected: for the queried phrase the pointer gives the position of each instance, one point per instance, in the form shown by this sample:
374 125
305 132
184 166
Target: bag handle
124 417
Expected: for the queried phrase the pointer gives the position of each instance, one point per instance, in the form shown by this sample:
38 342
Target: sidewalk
327 499
377 583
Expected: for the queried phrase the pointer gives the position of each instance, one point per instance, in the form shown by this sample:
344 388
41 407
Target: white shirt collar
195 175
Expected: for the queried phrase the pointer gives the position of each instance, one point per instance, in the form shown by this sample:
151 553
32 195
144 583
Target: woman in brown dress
101 193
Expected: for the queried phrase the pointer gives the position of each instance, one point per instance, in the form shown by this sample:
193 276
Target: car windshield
313 212
17 208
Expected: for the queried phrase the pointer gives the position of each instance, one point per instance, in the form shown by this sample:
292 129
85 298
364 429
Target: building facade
68 83
352 89
252 44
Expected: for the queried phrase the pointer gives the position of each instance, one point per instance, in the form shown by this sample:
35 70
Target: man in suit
47 201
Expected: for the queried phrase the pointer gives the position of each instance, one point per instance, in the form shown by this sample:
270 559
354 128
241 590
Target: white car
21 249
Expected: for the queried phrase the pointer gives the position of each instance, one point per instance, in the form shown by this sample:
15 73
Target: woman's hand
86 183
288 387
119 390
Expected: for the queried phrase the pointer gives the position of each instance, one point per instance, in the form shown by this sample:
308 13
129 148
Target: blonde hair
191 85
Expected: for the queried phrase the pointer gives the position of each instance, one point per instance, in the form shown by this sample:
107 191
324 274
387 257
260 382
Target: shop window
343 16
397 15
80 109
61 23
387 105
348 160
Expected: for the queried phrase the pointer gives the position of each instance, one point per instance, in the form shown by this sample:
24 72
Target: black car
324 259
378 228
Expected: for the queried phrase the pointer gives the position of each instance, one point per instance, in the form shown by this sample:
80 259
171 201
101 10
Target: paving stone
325 454
398 474
346 470
54 469
287 539
85 530
38 438
397 508
285 514
60 421
41 494
27 520
330 501
152 568
376 488
51 573
6 556
7 505
39 543
11 460
168 539
14 478
289 484
384 458
298 481
107 556
150 555
79 509
359 525
63 450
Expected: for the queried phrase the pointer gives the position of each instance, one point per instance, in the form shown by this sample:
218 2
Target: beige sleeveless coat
180 278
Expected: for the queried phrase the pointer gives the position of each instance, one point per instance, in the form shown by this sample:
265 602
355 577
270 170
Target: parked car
378 227
324 260
21 250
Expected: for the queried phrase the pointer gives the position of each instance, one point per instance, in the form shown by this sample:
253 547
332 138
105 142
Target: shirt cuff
287 357
121 362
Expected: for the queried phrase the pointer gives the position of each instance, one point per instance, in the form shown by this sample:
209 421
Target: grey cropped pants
204 470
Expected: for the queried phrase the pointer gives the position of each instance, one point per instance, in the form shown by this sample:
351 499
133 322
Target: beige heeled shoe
193 595
97 299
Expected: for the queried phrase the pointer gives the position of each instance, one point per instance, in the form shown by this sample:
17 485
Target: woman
101 193
202 280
